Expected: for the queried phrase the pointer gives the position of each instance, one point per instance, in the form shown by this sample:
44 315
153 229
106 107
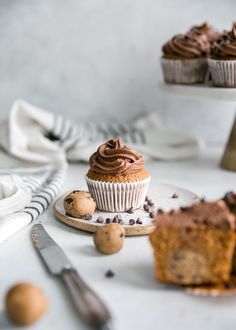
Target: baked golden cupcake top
214 214
115 162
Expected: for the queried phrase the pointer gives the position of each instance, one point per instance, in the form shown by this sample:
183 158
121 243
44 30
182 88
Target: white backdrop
99 59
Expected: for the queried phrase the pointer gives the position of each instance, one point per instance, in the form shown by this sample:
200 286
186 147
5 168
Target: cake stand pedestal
203 92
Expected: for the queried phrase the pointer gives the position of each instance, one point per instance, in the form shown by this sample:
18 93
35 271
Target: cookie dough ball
25 303
109 238
79 204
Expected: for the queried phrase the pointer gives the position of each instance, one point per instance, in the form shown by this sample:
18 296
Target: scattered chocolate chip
202 200
139 221
150 202
76 191
108 220
88 217
152 214
160 211
131 210
109 273
205 221
174 196
172 212
100 219
131 222
184 208
146 207
146 199
115 219
69 200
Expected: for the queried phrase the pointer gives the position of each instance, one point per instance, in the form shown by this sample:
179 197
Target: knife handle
88 304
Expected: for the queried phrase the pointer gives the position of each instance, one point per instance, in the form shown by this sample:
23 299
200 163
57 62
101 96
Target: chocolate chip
69 200
152 214
180 276
76 191
88 217
188 230
174 196
146 207
109 273
160 211
131 222
115 219
230 285
139 221
100 219
184 208
202 200
150 202
108 220
131 210
146 199
172 212
205 221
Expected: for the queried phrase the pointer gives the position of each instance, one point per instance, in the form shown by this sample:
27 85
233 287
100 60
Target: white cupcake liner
188 71
223 72
118 197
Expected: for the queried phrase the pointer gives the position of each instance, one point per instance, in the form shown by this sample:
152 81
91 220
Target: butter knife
89 306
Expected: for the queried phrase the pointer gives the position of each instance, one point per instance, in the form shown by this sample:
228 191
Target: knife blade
89 306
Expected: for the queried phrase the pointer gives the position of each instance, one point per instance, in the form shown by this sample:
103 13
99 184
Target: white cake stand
205 92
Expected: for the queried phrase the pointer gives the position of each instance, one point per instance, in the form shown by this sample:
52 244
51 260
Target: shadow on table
4 323
89 250
141 275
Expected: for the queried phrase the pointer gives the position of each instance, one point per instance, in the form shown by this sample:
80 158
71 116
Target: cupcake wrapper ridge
184 71
223 72
118 197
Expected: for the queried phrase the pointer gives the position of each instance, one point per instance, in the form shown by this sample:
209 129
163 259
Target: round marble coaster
164 196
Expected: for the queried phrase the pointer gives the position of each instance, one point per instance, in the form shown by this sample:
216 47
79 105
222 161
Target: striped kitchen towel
44 143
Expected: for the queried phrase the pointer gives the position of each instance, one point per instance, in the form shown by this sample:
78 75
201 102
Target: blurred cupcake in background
117 178
184 58
222 64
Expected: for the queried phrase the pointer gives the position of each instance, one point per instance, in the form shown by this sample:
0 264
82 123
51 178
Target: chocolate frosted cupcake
117 179
222 63
184 58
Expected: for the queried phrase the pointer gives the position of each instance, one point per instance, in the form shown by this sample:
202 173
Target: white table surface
136 300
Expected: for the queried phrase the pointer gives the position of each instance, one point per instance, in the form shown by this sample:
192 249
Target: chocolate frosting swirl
226 45
211 34
113 157
187 46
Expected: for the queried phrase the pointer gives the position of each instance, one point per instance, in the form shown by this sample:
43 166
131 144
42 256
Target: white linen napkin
47 141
